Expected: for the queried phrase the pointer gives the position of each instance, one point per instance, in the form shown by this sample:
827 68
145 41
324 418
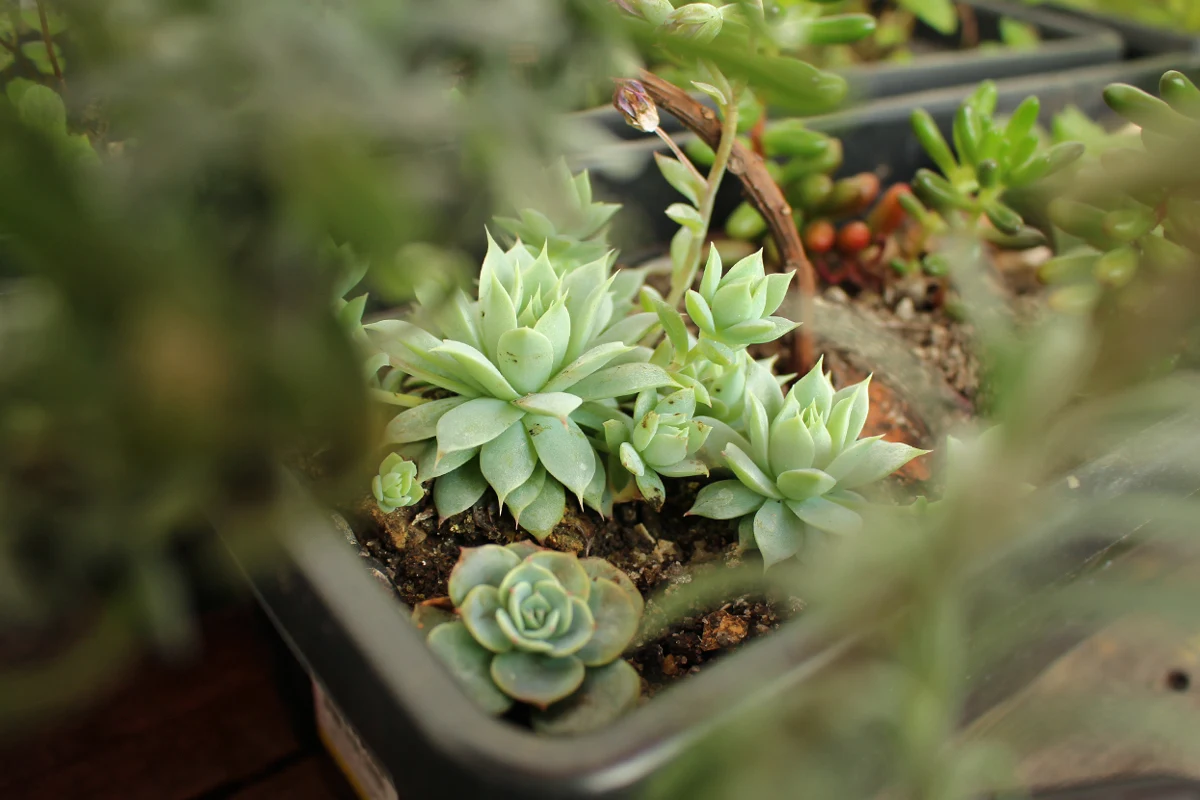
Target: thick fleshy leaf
590 317
475 423
684 469
629 330
526 359
748 472
431 466
522 549
746 533
646 427
535 678
873 461
828 516
420 422
777 286
470 663
591 361
630 459
616 616
651 488
732 304
764 385
478 612
599 569
713 268
508 460
597 496
564 451
666 448
606 693
497 316
411 349
616 433
581 629
822 442
726 500
459 320
479 566
480 368
566 569
749 268
526 493
814 387
680 402
791 445
847 418
699 311
801 484
757 430
720 437
545 511
549 404
778 533
621 381
555 325
457 491
496 263
427 616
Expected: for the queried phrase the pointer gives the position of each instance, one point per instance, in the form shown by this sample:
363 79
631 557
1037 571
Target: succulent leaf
475 423
455 492
396 484
536 678
616 618
478 613
508 460
606 693
778 534
563 450
470 663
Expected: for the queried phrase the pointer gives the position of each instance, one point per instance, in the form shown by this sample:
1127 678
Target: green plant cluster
1135 205
539 627
988 159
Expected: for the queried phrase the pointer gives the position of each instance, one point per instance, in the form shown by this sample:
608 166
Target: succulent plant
575 232
396 485
518 363
699 21
541 627
798 470
733 309
661 438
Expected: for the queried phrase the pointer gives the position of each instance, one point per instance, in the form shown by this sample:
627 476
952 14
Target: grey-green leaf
827 515
526 359
478 612
470 663
585 365
479 566
777 533
749 473
475 423
508 460
726 500
563 450
419 422
621 381
545 511
535 678
606 693
457 491
616 617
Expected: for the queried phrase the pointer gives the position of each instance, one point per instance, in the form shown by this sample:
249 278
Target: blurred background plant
1177 14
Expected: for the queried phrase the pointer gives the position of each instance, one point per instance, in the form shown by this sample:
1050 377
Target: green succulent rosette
545 628
396 485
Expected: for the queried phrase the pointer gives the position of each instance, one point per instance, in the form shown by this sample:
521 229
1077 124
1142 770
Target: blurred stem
695 253
679 154
46 38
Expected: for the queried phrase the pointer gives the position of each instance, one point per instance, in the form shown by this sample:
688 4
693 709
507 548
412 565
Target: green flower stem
729 122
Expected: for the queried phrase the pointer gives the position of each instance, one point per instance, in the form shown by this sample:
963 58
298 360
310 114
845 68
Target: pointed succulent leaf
545 511
434 465
475 423
549 404
479 566
680 402
498 316
459 320
606 693
699 311
630 459
666 448
822 442
873 461
616 616
591 361
749 473
508 460
777 286
711 278
827 516
757 430
644 404
524 495
581 629
726 500
420 422
616 433
564 451
457 491
629 330
753 331
686 468
814 387
498 265
778 534
857 400
731 304
478 613
749 268
526 359
801 484
587 318
621 380
596 496
720 437
555 325
791 445
470 664
480 368
681 178
645 429
685 215
651 488
536 678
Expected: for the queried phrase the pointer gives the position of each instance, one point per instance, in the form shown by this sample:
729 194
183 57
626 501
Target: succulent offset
797 470
519 362
541 627
661 438
396 485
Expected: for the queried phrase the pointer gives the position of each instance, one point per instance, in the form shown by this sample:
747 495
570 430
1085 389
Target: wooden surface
213 728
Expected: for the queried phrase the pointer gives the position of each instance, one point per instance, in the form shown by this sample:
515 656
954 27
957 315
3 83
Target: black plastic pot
399 723
1140 39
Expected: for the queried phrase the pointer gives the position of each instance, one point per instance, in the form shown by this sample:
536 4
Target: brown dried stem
762 192
49 42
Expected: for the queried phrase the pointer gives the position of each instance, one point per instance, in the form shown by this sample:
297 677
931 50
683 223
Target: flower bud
632 100
699 21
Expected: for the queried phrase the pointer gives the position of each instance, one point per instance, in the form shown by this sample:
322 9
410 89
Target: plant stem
49 42
679 154
695 252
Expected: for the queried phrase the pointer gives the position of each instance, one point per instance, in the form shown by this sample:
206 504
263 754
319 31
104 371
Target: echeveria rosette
396 485
661 438
533 350
541 627
733 310
575 232
799 470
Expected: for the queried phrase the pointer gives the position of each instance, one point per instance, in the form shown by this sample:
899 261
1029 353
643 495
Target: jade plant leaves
796 471
533 624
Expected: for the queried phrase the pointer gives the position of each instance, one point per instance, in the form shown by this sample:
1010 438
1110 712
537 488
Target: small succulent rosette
540 627
798 472
661 438
396 485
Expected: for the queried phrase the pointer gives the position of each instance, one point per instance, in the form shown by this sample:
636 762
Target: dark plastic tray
1067 43
352 636
1140 39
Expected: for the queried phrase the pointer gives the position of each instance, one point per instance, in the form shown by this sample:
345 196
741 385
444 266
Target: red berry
853 238
819 236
